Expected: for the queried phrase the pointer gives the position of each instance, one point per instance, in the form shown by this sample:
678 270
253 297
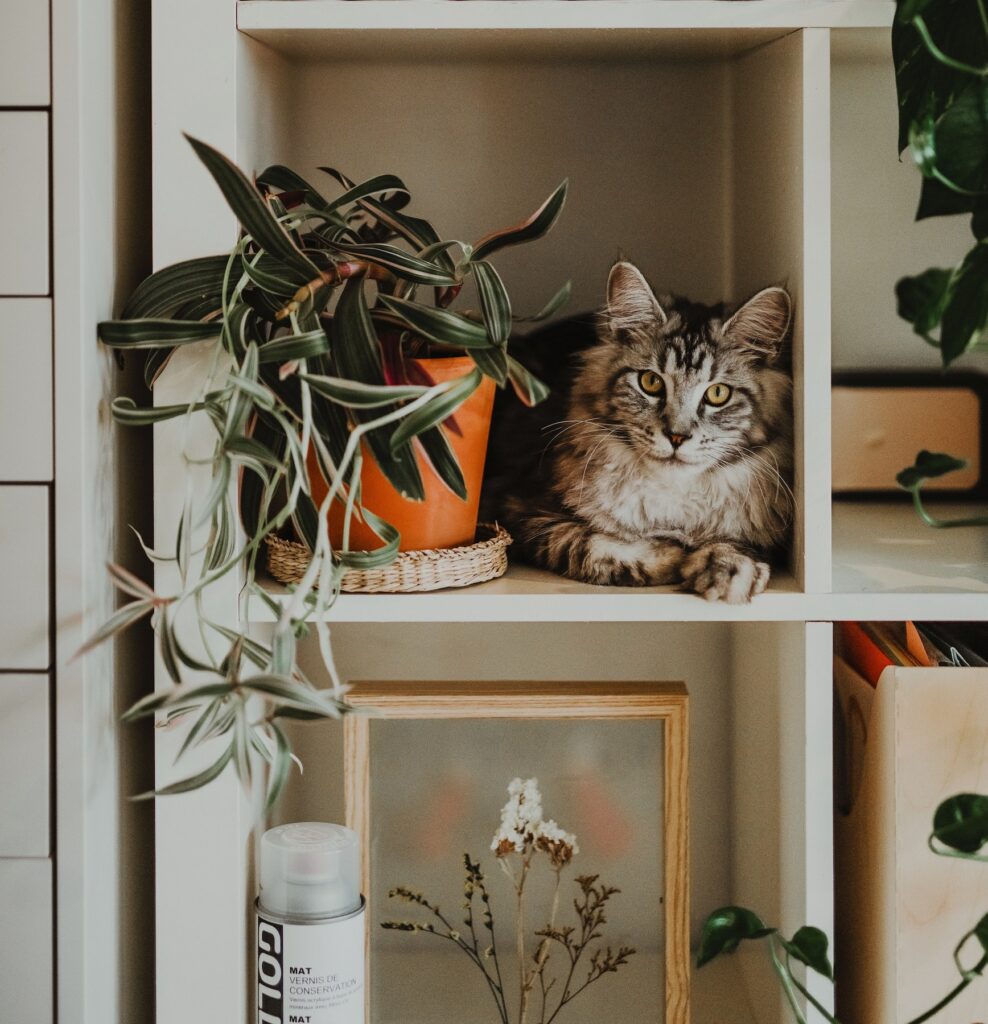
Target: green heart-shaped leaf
928 465
810 946
961 822
725 929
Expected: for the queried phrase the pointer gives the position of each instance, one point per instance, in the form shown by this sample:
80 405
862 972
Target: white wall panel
24 573
24 59
24 202
26 408
26 942
24 761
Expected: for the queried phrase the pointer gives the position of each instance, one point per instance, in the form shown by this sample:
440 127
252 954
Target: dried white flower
521 817
522 826
552 833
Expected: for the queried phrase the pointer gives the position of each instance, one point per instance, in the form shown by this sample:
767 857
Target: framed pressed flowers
526 853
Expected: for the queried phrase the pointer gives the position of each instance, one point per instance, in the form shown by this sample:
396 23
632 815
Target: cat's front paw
720 572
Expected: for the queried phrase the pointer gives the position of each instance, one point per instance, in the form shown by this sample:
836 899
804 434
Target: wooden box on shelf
915 740
412 780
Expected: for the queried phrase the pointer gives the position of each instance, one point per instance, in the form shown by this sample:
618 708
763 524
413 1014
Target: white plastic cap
310 868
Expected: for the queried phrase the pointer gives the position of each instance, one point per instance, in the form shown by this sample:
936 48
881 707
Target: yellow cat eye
650 382
718 394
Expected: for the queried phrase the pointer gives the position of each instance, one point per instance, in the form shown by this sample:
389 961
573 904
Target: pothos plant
303 328
960 830
940 50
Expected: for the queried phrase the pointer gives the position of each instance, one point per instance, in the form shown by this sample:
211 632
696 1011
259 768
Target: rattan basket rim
427 569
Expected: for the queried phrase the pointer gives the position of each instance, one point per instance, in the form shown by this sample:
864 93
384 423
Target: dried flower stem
523 834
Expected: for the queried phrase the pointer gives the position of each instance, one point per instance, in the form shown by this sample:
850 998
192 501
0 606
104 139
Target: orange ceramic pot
443 520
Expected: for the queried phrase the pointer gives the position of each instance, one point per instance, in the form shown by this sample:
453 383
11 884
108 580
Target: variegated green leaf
197 781
199 280
433 413
295 346
400 263
495 304
552 307
493 362
250 209
361 396
534 226
156 333
438 325
527 386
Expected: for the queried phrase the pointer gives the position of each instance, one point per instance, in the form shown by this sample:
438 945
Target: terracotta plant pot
443 520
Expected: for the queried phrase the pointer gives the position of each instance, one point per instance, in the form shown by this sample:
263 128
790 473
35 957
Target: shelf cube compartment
698 156
760 702
881 545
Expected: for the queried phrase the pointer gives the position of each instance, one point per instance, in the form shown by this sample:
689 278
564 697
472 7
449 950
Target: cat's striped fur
610 484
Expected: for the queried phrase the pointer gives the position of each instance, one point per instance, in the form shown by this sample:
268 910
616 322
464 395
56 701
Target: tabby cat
664 454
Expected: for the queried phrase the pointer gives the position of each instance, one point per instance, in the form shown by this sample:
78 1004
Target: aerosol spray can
310 926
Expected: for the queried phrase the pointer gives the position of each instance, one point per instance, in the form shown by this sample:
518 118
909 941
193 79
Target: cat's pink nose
676 439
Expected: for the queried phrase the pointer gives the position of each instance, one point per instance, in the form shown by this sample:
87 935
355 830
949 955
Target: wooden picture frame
666 702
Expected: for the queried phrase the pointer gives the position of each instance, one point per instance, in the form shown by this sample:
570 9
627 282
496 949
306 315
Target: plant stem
543 951
983 15
806 993
944 524
520 938
942 57
786 980
953 993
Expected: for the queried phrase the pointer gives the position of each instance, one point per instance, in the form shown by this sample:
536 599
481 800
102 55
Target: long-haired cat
665 452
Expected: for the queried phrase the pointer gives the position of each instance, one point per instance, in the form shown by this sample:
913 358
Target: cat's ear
762 323
631 303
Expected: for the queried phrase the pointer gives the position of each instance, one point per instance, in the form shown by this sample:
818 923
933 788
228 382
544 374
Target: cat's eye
717 394
651 383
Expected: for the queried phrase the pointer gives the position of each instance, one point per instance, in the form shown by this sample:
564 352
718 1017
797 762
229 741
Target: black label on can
270 973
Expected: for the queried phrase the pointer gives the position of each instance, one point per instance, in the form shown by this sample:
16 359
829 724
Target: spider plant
304 326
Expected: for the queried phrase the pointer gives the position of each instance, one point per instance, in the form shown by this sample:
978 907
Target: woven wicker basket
411 571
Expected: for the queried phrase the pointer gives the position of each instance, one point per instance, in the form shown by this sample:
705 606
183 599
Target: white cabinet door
26 969
26 409
24 202
24 641
24 67
24 753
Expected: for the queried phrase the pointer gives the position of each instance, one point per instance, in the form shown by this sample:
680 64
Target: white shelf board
685 29
884 548
524 594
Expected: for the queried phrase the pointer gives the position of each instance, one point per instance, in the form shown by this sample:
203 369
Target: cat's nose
676 439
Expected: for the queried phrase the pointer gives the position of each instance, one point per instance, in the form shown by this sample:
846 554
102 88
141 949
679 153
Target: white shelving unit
709 140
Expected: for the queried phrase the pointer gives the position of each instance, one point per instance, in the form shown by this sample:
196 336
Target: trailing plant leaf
922 300
925 84
197 781
361 396
438 325
295 365
494 302
357 354
250 209
492 362
128 334
553 306
436 411
400 263
810 946
295 346
725 929
199 280
965 316
527 386
928 466
533 227
961 823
